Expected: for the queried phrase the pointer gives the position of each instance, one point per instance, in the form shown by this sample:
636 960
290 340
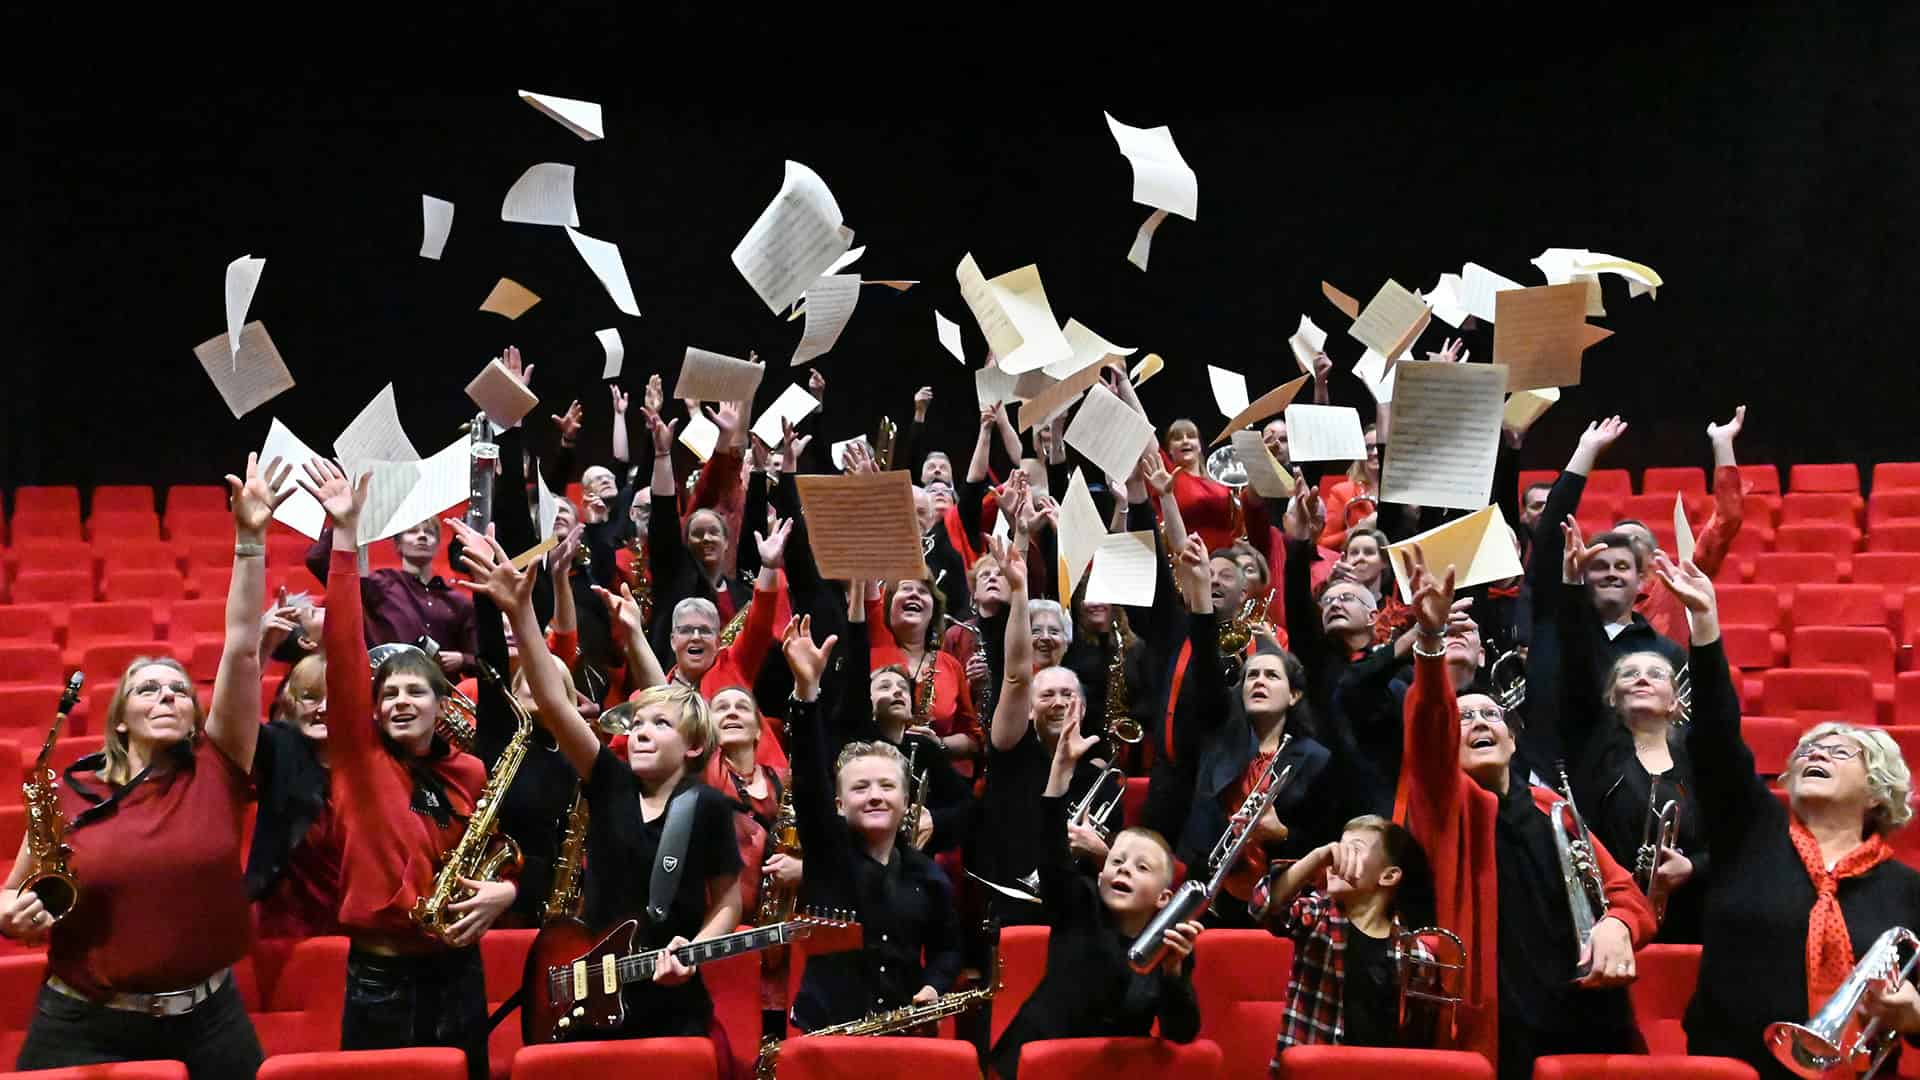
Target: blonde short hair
1888 781
853 751
692 720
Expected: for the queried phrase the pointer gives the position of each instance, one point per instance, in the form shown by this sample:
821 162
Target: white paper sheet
393 483
793 242
445 481
846 260
542 196
1143 240
700 435
838 451
546 505
1109 432
1014 315
1324 433
436 222
250 378
1444 299
1307 342
1477 286
300 512
793 404
1126 570
604 260
505 399
1445 434
1377 376
1161 177
243 277
1391 321
616 351
710 376
1229 391
992 385
830 303
1683 541
1088 348
1080 530
375 434
580 117
948 332
1480 547
1264 473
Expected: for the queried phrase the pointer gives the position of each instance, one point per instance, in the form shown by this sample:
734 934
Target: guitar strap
671 859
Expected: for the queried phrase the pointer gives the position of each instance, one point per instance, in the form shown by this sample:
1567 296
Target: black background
1762 158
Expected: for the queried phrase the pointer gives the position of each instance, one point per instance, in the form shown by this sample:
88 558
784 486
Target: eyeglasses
1834 751
1491 714
694 631
152 687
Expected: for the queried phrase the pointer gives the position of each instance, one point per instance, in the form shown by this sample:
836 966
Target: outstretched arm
233 723
1011 714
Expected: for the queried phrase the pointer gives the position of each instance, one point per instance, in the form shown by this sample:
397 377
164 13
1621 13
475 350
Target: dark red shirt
305 902
400 607
162 902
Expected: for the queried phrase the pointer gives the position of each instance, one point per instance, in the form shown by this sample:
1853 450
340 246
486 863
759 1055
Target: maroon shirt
162 903
399 607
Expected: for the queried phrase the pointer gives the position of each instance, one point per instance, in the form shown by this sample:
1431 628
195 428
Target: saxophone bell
1121 725
48 876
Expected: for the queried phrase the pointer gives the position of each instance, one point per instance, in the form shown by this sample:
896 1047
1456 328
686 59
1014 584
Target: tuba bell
1832 1039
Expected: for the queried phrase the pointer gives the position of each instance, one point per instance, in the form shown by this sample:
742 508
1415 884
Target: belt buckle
168 1004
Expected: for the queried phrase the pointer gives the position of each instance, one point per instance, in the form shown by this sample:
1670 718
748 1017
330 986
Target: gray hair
699 604
1888 782
1051 607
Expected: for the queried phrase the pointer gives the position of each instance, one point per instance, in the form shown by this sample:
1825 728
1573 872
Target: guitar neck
639 967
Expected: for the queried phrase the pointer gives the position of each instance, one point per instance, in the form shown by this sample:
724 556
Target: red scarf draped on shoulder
1830 956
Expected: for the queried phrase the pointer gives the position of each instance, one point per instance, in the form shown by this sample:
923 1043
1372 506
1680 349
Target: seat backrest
1118 1059
1906 737
208 498
1895 536
1885 506
848 1057
109 620
1772 739
1690 480
20 979
34 556
1833 506
313 978
1343 1062
1896 475
114 554
1795 567
117 525
133 498
32 664
38 525
28 706
1746 605
1640 1067
1617 482
1839 605
1239 965
53 587
1835 477
1896 569
54 498
1869 648
412 1063
1818 694
187 618
30 624
150 584
119 1070
1760 479
1023 963
503 955
1826 536
1750 647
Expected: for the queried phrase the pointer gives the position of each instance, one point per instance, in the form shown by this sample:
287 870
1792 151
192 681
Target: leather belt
170 1003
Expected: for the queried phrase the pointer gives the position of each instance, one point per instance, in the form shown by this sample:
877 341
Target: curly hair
1888 782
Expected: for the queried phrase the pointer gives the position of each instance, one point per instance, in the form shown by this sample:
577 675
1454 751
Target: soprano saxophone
47 874
776 900
477 857
563 899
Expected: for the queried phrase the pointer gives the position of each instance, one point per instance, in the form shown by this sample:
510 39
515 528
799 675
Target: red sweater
738 664
389 852
953 711
1453 818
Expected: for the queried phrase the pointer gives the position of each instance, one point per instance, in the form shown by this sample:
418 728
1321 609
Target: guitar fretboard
639 966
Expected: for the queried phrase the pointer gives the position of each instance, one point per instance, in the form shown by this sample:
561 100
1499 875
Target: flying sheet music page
1142 248
580 117
446 481
830 303
993 386
1391 321
1229 391
793 405
1445 433
1161 177
505 399
1014 316
1057 397
243 277
1478 286
1125 570
393 482
862 527
603 258
1081 529
436 222
949 333
1264 472
249 378
1324 433
1271 403
709 376
616 351
700 436
1480 547
1109 432
542 196
1526 406
300 512
375 434
793 242
509 298
1540 335
1088 348
1307 342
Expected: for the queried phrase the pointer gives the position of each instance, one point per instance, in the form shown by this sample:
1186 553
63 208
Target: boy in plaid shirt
1344 988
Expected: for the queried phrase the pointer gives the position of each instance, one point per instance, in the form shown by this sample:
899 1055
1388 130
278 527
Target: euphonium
456 719
563 899
904 1018
776 900
1579 866
1120 722
1430 965
1662 834
477 857
1510 687
1831 1039
47 874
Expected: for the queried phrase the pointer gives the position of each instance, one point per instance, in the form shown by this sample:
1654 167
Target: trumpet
1579 867
1662 834
1192 898
1120 722
1828 1040
1096 818
1509 677
48 875
456 722
1430 965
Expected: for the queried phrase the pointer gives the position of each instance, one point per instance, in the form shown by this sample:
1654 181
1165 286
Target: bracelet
1437 654
245 550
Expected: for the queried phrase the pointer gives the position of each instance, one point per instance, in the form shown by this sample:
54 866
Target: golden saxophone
47 874
476 857
917 783
776 900
904 1018
1120 722
563 899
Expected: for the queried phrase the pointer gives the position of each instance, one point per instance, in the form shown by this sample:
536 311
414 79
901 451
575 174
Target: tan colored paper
1391 321
1538 333
505 399
862 527
509 298
1125 570
1445 433
1109 433
896 284
1348 305
1049 402
1143 240
249 378
709 376
1149 366
525 558
1682 530
1080 531
1264 474
1013 313
700 435
1271 403
1526 406
1480 548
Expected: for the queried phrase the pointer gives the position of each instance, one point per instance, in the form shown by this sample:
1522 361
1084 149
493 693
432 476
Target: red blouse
953 711
305 902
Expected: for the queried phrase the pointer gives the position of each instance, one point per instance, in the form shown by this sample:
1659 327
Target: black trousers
215 1040
439 999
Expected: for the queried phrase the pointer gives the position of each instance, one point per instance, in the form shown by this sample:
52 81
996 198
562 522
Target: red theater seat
1023 963
1640 1067
119 1070
27 624
1906 700
1615 483
1843 477
1817 694
1839 605
197 497
20 978
1247 1034
1118 1059
30 665
1346 1062
1895 536
114 555
1820 506
844 1057
120 527
1772 739
31 526
1863 648
1885 506
305 998
1795 568
53 498
1830 538
413 1063
1235 966
1748 605
1688 480
1896 476
1667 975
128 498
61 587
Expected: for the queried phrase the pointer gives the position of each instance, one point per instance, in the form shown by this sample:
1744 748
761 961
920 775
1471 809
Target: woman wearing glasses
1799 892
142 965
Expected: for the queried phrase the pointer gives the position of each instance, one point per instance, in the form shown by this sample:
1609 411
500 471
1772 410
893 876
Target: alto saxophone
47 874
1120 722
776 900
904 1018
917 786
476 857
563 900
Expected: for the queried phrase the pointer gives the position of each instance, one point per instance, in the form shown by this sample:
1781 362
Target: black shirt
1369 991
621 850
1013 834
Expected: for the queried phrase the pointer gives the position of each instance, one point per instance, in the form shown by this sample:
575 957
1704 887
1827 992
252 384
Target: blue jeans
216 1040
439 999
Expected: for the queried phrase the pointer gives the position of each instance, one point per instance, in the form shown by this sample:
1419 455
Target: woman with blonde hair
141 966
1801 891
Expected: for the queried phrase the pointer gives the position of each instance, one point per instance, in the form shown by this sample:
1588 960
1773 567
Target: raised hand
773 543
1432 597
728 419
567 550
511 359
619 399
341 498
1153 469
1322 367
922 398
662 432
817 384
654 397
792 447
1452 351
1195 571
253 499
1306 515
1688 584
807 660
623 610
493 573
569 423
1602 433
1730 430
1013 563
1579 554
